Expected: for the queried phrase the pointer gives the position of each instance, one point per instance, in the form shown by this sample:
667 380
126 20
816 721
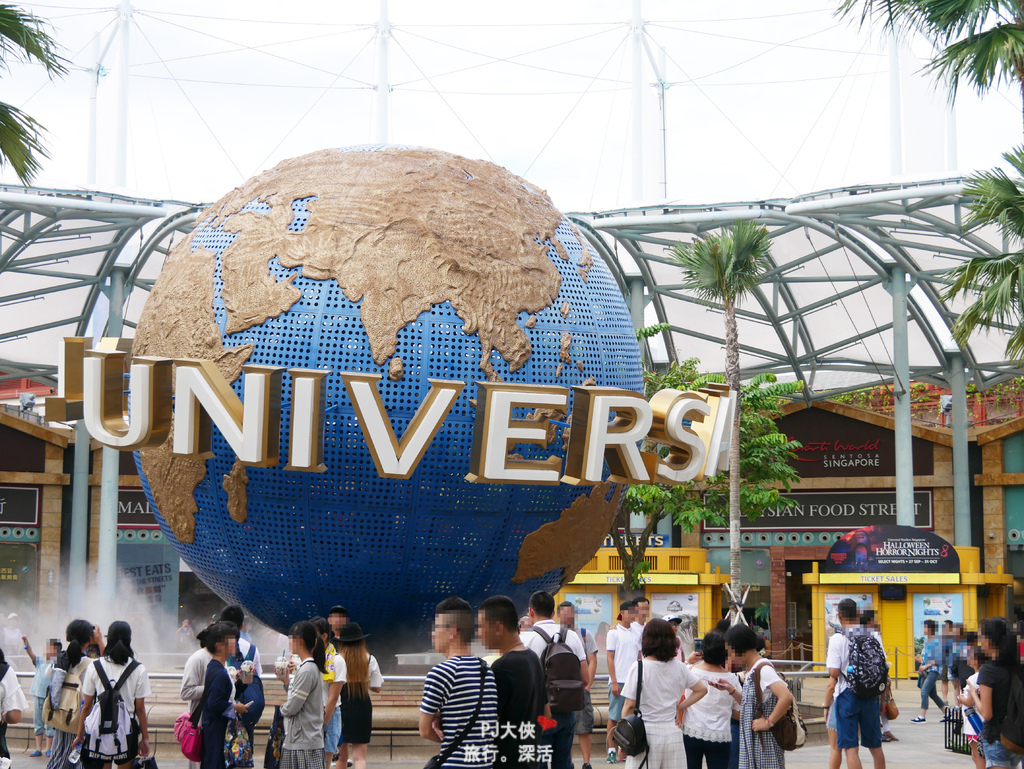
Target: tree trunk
732 375
631 553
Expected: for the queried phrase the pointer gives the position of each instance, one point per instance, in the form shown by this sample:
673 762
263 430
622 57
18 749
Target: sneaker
612 758
35 754
918 720
587 766
48 753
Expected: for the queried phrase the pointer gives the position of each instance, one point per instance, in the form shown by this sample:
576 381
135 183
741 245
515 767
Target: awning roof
823 315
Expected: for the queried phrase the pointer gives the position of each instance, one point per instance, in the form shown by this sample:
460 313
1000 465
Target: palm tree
981 41
23 38
999 200
721 270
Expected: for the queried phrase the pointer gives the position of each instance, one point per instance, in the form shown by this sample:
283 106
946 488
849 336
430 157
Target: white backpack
112 734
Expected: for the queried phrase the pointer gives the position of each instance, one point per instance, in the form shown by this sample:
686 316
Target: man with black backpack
566 675
858 672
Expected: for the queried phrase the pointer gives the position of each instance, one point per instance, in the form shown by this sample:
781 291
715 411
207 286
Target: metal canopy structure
824 313
58 250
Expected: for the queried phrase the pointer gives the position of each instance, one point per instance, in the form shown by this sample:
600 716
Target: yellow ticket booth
906 577
680 582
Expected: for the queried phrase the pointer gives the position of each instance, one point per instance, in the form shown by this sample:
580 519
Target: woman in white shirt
118 655
707 731
665 681
969 697
758 748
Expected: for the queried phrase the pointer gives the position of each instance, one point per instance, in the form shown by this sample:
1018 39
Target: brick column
993 509
48 591
778 602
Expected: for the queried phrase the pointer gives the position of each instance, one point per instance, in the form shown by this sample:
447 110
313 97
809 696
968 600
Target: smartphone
698 646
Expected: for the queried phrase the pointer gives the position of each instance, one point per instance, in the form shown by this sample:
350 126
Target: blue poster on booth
593 612
936 607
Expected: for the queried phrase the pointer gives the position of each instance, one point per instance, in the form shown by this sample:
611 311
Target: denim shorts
831 722
997 755
333 733
615 703
857 714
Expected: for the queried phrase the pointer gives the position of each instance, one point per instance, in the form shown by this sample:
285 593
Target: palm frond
724 267
982 60
23 37
20 142
896 16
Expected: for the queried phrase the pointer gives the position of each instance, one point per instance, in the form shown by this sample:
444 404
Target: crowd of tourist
523 705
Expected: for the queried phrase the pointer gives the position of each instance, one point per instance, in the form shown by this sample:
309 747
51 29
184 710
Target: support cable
574 106
195 109
316 101
503 59
817 120
723 114
441 97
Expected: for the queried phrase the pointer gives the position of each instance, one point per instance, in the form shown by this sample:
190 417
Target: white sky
761 105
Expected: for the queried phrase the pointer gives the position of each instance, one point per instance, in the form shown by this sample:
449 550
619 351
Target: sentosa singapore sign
192 396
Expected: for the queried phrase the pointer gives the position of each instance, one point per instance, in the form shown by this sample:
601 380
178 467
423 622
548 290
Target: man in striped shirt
452 691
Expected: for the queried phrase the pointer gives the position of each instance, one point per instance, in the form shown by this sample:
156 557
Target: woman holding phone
219 694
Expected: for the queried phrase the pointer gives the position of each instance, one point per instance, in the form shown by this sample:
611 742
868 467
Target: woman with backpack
758 748
303 711
70 663
219 707
362 676
996 681
118 666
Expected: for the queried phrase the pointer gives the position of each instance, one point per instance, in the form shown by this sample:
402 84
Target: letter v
396 459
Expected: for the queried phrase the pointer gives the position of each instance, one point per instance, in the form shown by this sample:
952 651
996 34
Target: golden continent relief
399 230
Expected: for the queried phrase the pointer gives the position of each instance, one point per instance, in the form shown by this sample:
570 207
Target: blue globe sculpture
413 264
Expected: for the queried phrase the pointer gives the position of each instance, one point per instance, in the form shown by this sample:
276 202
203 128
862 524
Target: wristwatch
770 724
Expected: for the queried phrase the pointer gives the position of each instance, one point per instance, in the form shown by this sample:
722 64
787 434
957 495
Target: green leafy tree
979 42
764 465
996 199
23 38
723 269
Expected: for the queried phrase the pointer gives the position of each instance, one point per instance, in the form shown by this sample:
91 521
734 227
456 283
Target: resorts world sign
607 423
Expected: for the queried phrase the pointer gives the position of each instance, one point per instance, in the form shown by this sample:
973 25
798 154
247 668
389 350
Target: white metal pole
662 87
951 152
895 110
383 86
121 134
638 104
94 84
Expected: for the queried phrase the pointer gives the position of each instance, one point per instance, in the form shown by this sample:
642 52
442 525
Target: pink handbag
190 736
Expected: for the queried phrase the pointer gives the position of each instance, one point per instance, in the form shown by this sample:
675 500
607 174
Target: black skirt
356 718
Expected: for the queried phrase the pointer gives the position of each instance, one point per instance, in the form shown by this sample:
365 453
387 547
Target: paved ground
919 746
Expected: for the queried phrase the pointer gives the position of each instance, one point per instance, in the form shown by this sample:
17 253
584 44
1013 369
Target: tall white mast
637 29
121 132
383 86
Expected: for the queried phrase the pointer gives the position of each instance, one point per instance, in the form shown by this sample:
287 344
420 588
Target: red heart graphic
547 723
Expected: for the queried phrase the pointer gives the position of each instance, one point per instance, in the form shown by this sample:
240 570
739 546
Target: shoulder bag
630 733
436 762
188 730
789 732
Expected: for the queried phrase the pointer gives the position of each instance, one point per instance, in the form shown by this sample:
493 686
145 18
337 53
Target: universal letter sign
192 396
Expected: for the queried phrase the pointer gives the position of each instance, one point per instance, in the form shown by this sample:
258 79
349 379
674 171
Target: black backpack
1011 731
868 672
563 674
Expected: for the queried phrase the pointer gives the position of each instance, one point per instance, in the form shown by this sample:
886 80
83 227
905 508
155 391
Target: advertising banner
133 510
936 607
19 506
686 606
837 511
592 611
148 588
892 549
832 625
